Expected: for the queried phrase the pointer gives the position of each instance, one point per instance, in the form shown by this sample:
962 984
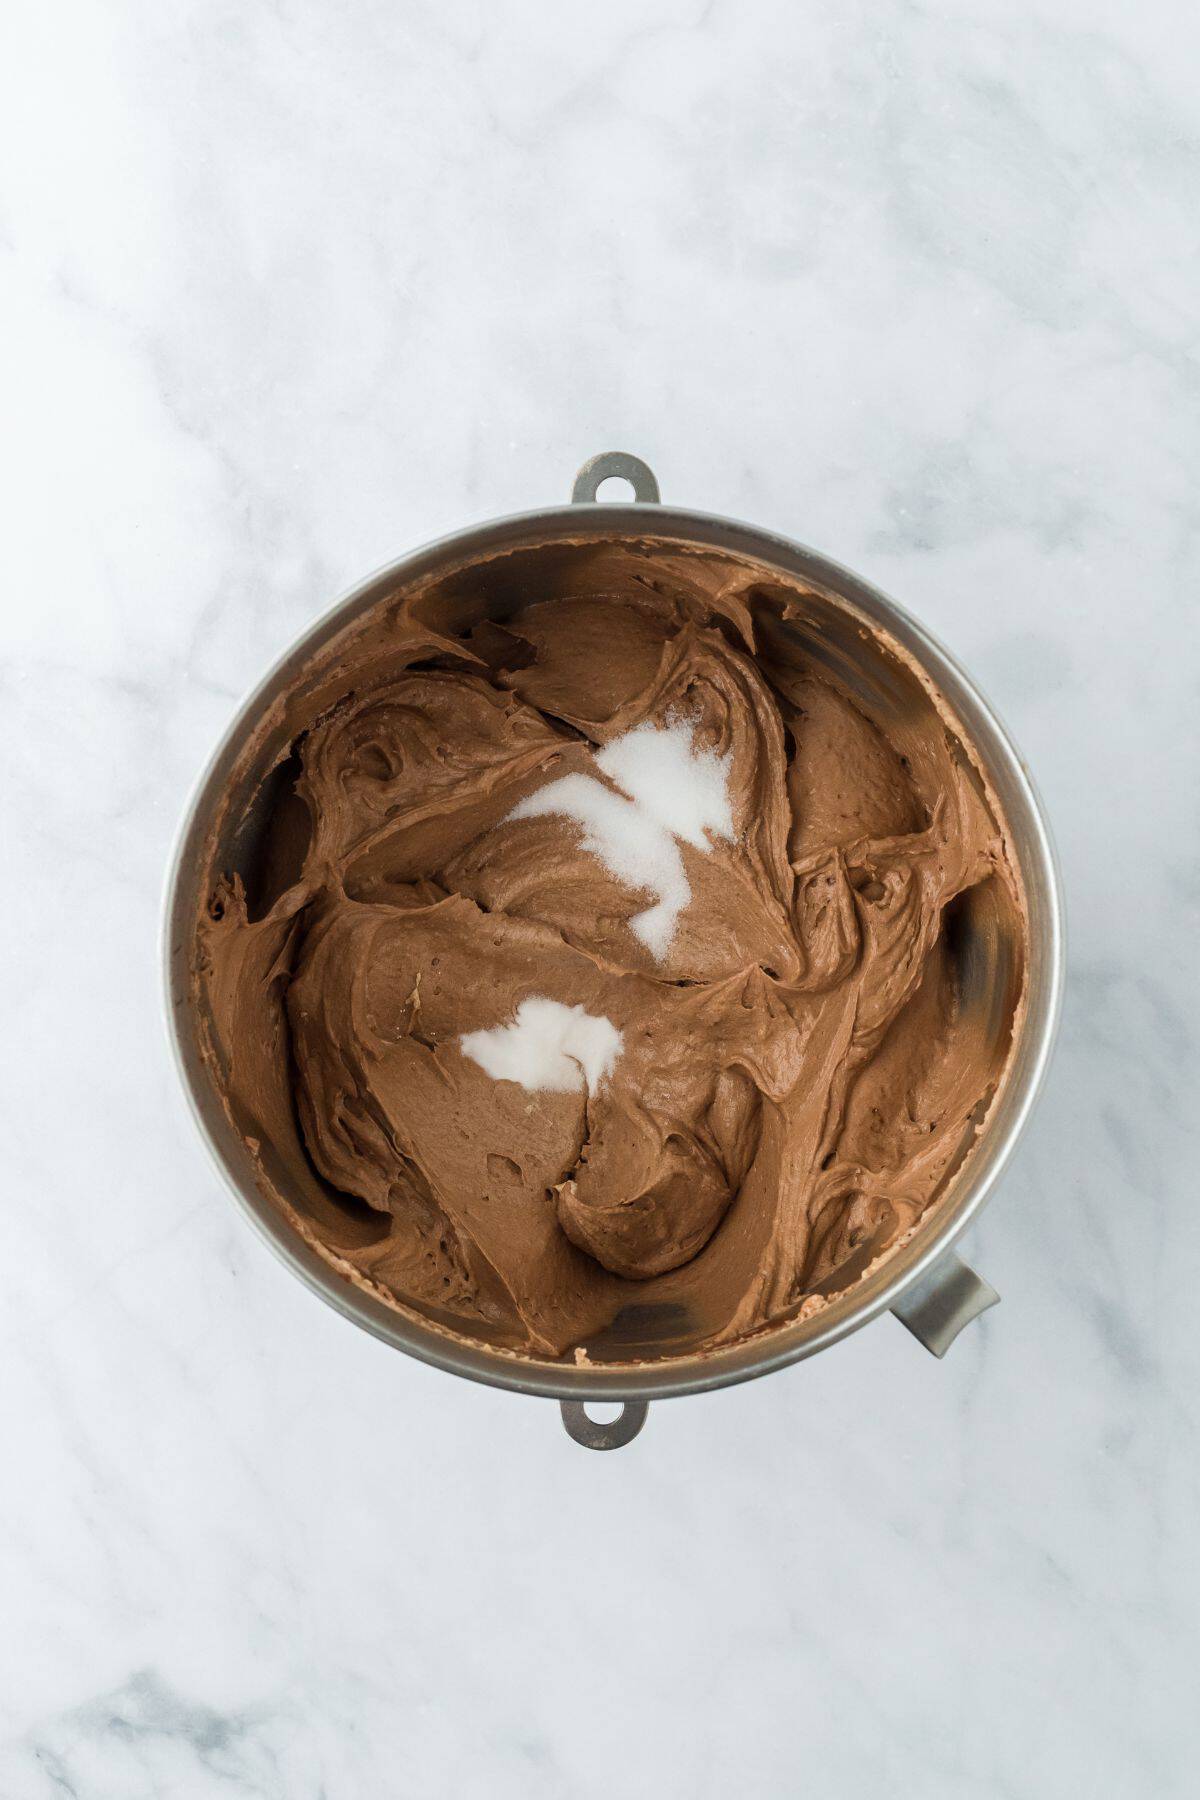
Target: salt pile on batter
672 789
548 1047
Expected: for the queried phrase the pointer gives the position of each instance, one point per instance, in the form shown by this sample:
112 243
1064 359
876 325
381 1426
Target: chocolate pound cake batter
597 973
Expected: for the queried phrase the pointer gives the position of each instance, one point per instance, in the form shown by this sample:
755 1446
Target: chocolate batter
800 1069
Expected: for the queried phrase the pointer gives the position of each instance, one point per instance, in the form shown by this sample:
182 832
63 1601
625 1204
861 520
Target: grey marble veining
287 289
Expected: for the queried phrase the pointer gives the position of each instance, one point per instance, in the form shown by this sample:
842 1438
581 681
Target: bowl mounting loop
609 1434
619 463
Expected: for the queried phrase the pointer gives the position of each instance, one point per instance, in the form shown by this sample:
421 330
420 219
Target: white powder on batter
675 791
548 1046
684 789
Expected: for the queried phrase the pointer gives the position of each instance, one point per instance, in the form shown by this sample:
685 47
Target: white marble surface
289 287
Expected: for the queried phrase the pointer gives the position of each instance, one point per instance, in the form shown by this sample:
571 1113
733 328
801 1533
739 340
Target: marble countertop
289 288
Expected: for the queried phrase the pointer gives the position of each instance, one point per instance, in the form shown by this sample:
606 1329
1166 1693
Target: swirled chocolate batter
598 967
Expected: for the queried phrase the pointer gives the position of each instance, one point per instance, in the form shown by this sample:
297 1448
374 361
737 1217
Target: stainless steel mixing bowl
924 1283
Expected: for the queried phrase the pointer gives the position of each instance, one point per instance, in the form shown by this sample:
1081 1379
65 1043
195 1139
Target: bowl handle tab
945 1299
609 1435
619 463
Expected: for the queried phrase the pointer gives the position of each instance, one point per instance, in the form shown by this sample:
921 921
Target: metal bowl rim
777 1346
